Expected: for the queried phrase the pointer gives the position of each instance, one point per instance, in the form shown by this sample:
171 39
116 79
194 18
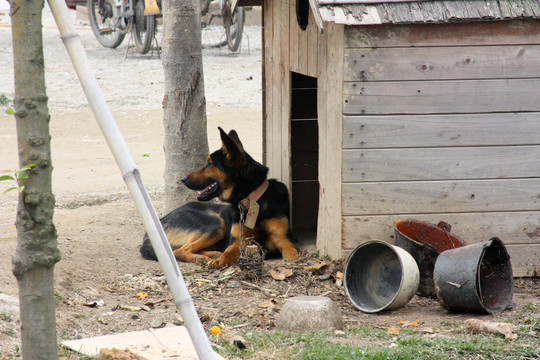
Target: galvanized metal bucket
475 278
425 241
380 276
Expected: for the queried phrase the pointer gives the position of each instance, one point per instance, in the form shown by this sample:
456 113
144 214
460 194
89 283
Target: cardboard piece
154 344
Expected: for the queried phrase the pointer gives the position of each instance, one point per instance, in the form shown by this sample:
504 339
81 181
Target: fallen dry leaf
329 269
317 266
393 331
141 295
407 323
268 304
281 273
152 303
130 308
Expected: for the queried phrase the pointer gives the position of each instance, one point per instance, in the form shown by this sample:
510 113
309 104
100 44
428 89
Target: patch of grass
452 326
6 317
369 343
10 332
4 100
58 298
73 355
528 315
531 308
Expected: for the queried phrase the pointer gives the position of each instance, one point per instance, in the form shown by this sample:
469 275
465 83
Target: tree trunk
37 251
184 104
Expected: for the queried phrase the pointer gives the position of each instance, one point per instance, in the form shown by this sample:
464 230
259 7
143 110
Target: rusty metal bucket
475 278
379 276
425 241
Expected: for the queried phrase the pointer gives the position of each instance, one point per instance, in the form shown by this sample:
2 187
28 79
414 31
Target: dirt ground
99 230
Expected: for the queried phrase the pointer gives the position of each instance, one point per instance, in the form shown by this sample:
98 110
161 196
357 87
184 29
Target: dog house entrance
304 158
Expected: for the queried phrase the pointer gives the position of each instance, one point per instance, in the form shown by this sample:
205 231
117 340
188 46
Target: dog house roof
376 12
371 12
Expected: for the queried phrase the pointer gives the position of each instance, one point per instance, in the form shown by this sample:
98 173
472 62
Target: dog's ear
233 135
232 150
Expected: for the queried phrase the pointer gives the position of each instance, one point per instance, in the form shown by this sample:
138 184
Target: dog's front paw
220 262
224 260
290 253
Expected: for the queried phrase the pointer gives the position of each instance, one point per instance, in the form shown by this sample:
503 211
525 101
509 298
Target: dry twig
264 290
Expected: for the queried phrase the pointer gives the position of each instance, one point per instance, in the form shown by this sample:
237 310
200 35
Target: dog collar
250 207
254 195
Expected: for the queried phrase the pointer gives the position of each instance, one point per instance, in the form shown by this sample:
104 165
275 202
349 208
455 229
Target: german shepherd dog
202 232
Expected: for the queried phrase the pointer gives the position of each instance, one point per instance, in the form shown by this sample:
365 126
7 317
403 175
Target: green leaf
7 177
26 167
12 188
10 111
21 174
146 154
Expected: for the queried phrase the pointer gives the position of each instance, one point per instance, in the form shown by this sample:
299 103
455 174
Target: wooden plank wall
330 112
288 48
303 44
277 88
442 122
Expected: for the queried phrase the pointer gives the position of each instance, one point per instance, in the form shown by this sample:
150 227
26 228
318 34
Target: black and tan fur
203 232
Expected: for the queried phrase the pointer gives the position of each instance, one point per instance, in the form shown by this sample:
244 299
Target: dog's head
226 170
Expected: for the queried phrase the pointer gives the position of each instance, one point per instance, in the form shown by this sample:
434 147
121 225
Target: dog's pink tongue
201 192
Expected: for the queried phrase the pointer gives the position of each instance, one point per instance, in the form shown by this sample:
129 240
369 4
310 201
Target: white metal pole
132 177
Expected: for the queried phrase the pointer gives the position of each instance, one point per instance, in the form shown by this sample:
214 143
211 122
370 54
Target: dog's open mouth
209 192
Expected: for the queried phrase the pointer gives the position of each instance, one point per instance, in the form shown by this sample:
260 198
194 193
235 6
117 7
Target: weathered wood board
330 75
303 44
442 63
401 131
268 114
420 197
450 34
284 82
441 97
443 163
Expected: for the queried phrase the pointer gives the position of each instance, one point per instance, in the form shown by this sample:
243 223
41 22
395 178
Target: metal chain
253 265
242 221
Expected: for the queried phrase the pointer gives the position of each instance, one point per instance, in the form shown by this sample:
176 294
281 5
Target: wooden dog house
382 110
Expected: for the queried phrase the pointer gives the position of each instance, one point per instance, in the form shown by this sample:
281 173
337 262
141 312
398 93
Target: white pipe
132 177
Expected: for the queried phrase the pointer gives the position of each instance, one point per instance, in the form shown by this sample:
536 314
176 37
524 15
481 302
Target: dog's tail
147 251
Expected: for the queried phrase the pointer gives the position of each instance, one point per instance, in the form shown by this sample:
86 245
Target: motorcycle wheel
144 29
106 23
234 26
